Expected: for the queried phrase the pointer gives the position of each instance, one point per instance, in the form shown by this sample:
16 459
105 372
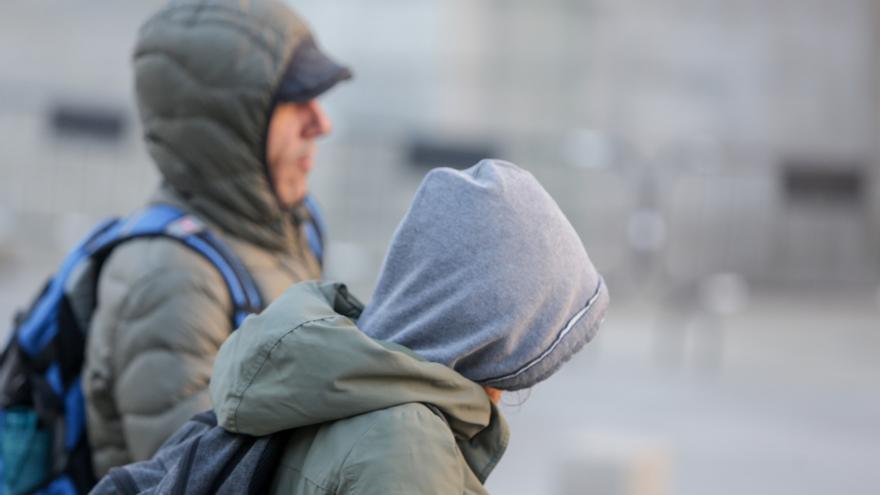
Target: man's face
290 147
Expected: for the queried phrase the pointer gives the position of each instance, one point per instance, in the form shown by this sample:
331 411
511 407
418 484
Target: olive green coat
205 76
368 417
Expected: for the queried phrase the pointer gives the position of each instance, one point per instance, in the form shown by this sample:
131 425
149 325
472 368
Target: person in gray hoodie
486 287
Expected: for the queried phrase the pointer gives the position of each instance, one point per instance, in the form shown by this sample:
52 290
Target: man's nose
318 122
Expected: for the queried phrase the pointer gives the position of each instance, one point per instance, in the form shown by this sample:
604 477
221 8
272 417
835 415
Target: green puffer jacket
369 417
205 76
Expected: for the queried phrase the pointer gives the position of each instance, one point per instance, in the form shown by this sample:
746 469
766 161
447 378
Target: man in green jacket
486 287
226 92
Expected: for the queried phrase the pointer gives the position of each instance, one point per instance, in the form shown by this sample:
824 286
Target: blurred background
720 159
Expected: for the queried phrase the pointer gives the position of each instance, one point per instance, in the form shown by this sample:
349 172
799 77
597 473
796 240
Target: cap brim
309 73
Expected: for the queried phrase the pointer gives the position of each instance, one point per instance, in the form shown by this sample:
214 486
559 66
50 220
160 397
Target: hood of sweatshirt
486 275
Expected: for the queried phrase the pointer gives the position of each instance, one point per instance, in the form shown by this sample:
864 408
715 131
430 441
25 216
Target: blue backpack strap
154 221
243 289
41 326
315 229
162 220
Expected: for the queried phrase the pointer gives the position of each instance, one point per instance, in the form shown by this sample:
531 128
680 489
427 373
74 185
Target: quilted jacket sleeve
163 312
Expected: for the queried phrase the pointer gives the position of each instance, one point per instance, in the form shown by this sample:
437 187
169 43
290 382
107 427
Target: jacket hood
205 76
303 361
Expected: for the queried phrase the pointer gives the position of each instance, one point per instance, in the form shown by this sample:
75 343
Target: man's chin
306 163
293 201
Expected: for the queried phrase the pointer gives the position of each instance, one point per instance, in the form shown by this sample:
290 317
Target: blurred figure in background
486 287
226 92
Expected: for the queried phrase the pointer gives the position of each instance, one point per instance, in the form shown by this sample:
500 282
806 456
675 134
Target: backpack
201 458
43 445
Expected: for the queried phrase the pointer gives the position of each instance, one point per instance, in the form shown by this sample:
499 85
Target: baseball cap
309 73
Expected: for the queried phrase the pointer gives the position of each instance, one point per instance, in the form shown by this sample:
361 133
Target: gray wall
660 127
